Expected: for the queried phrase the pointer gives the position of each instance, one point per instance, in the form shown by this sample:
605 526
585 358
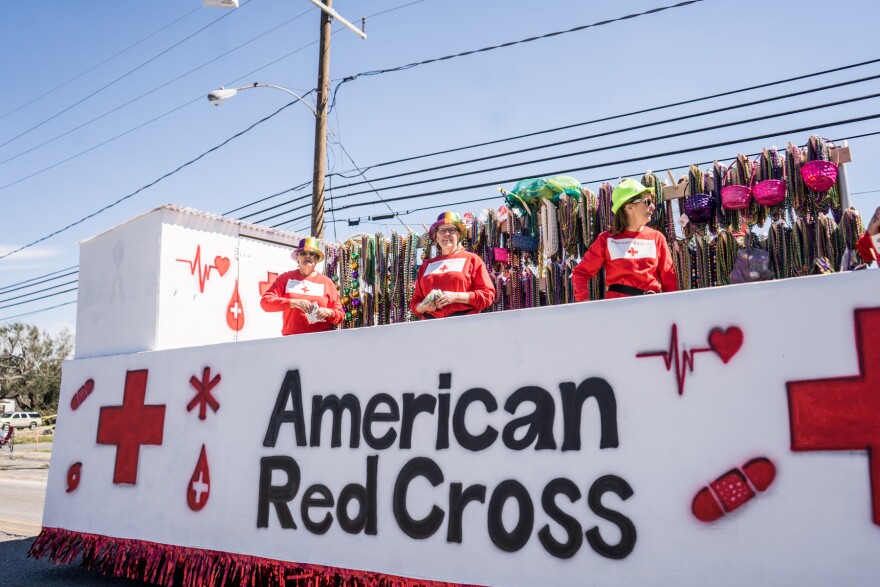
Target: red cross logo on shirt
305 289
443 268
632 251
131 425
841 413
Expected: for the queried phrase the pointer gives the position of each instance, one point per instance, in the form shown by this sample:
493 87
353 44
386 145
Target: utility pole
321 126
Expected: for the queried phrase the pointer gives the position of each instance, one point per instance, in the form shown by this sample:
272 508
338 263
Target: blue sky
684 53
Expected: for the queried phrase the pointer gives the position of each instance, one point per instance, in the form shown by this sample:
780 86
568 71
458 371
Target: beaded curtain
530 252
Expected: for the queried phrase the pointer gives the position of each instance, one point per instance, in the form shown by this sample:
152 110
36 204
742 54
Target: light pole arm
218 96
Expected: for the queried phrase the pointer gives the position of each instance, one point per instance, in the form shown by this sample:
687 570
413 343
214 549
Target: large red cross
131 425
305 289
443 268
632 251
843 413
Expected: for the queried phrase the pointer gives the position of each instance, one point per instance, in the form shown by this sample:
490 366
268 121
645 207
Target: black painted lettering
464 438
427 526
458 499
290 388
516 538
316 496
539 423
570 525
622 549
573 399
277 495
372 415
412 406
365 496
336 406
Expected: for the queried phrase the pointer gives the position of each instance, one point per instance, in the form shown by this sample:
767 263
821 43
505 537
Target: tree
30 365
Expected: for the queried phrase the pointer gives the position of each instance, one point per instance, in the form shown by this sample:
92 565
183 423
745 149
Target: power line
8 318
589 122
152 183
153 90
603 148
36 283
33 293
123 76
5 288
627 129
604 179
633 113
152 120
495 197
611 163
97 65
52 295
508 44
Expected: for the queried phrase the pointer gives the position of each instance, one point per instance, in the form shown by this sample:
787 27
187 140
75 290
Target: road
22 492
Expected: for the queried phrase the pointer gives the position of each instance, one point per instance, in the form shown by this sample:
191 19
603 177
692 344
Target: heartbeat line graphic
683 360
221 265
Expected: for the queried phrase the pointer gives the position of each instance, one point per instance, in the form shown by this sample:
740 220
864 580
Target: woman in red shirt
455 282
636 258
869 244
294 293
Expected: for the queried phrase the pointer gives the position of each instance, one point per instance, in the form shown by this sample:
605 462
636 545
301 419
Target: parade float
717 435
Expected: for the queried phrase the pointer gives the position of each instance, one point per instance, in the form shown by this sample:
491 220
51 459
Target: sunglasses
447 231
308 254
648 202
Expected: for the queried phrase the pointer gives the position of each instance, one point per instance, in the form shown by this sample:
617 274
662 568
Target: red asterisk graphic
632 251
131 425
842 413
203 397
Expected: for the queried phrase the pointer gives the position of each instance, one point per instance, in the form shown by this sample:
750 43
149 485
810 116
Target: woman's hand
424 308
301 305
452 297
324 313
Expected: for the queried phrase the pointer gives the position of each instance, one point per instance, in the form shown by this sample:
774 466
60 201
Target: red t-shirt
637 259
458 272
314 288
867 250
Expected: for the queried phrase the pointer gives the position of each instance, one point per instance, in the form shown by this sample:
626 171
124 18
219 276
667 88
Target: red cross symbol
632 251
305 289
443 268
842 413
203 397
265 285
131 425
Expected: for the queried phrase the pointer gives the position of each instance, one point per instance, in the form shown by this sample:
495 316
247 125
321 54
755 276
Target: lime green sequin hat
626 190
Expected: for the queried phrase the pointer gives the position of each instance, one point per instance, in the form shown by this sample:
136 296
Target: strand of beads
604 207
681 258
725 247
851 230
779 241
797 191
801 260
723 217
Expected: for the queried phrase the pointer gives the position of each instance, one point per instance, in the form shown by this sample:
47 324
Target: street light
319 169
221 94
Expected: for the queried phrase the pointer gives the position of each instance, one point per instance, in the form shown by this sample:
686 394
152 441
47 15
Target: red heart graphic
726 342
222 264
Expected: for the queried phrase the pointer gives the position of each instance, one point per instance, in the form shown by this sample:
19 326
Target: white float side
750 347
